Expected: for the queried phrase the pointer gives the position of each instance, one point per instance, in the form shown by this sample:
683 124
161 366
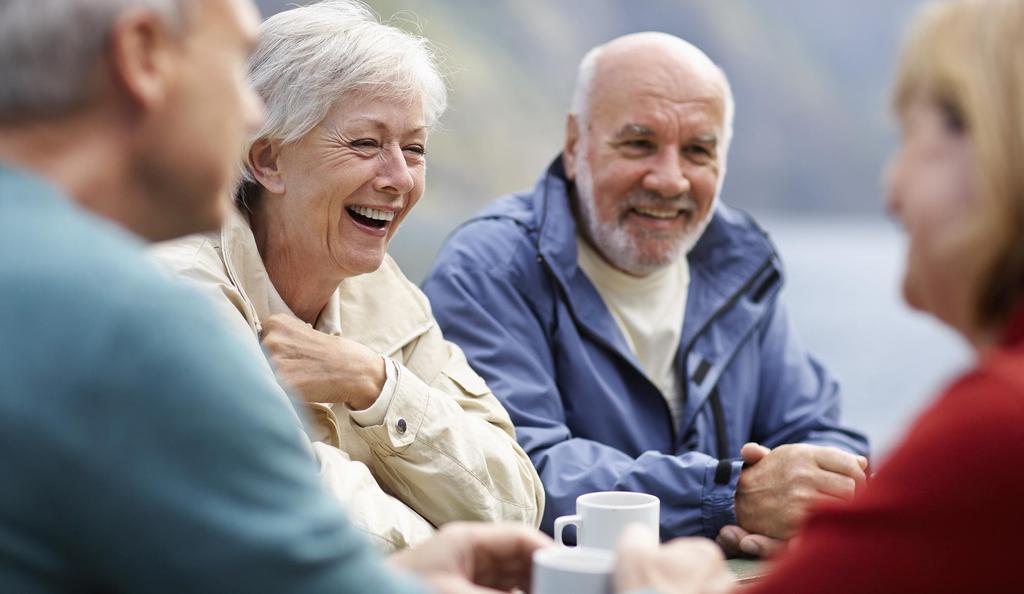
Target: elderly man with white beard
631 323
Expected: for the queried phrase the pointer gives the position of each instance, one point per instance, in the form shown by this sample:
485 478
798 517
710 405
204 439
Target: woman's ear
263 163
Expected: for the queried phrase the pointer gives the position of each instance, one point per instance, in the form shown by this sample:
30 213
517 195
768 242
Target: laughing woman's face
932 190
352 179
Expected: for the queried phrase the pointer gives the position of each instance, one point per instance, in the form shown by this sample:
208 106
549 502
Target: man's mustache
653 200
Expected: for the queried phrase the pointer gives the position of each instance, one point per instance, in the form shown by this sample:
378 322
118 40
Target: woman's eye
364 143
953 119
418 149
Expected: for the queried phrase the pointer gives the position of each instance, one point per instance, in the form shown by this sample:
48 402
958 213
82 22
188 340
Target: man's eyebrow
710 138
630 130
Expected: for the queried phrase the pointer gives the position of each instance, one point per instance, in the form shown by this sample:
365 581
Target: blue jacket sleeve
506 336
799 401
190 473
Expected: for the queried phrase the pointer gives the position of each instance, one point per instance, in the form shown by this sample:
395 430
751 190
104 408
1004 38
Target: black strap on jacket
724 470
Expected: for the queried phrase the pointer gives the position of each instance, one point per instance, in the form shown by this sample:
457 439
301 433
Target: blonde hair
967 56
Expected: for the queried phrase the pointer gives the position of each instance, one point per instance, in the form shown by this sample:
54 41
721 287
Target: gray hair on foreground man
49 50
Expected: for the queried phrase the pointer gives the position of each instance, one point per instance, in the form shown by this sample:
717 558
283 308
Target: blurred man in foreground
120 122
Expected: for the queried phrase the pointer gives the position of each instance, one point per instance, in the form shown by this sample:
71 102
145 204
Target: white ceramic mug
601 517
576 570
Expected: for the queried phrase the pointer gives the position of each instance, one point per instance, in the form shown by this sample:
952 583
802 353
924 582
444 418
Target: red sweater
946 511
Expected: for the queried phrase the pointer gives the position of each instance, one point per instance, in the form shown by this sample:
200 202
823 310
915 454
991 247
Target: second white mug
576 570
601 517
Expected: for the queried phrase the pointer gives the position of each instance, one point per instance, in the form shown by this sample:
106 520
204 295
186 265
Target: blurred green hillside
811 80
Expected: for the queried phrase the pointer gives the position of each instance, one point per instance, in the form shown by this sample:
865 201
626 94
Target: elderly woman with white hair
408 436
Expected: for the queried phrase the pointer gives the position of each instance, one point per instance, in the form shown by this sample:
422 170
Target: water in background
843 291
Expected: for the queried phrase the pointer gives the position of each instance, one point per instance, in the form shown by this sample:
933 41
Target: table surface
747 570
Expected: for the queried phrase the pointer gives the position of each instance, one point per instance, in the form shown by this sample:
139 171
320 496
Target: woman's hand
321 367
736 541
682 566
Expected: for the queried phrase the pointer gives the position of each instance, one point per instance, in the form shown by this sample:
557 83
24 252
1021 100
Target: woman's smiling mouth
372 218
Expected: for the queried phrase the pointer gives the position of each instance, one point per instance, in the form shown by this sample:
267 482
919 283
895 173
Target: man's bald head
660 61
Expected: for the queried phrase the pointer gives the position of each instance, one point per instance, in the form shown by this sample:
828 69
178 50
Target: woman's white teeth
373 213
658 214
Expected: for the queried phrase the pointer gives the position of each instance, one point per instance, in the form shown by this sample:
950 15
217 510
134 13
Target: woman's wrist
370 379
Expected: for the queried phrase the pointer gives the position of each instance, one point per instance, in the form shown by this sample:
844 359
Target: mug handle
562 522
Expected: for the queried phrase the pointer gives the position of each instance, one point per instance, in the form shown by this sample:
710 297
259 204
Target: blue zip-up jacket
507 289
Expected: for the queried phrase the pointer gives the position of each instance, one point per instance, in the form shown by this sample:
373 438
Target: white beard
615 243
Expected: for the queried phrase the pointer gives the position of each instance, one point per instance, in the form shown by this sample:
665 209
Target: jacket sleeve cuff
376 412
403 418
718 507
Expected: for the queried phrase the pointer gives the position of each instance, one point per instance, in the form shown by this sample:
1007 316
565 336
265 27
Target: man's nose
667 176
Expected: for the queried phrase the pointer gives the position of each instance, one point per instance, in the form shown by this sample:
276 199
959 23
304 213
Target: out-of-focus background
813 133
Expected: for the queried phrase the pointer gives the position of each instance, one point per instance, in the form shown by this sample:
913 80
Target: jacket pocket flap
467 379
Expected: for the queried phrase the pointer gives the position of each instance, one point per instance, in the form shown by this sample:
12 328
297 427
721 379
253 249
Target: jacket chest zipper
724 470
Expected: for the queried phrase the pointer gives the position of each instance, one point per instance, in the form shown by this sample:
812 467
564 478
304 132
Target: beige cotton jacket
446 450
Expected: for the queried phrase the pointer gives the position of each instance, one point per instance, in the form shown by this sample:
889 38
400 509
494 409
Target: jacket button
401 425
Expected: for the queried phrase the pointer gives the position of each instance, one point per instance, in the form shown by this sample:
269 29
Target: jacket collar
730 254
380 309
557 246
